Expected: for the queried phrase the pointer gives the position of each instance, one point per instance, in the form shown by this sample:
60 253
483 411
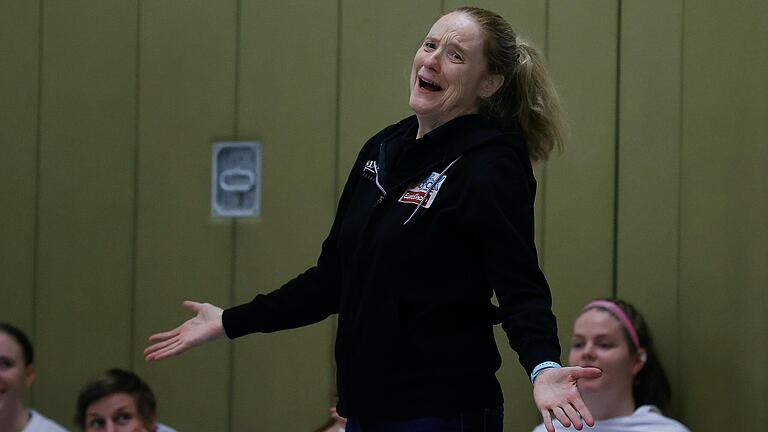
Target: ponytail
538 106
526 102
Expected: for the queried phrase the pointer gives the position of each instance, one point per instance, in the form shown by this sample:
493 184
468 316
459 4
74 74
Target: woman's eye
123 419
430 45
96 424
455 56
577 344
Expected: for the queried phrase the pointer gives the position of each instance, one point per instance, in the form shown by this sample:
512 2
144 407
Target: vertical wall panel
723 215
648 174
579 214
378 42
186 101
86 197
19 51
288 100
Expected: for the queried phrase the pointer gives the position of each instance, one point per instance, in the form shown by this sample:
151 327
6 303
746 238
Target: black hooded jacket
425 233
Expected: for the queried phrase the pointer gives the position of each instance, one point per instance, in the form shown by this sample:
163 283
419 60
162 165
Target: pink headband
619 314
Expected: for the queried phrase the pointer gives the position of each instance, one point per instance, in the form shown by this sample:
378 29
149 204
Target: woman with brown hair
612 335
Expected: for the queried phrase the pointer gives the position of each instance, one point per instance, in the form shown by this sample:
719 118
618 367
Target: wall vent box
236 179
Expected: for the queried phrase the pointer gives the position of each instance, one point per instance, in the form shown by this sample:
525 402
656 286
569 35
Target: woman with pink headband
612 335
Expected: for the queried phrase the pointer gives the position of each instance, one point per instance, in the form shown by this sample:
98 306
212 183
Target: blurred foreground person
612 335
17 372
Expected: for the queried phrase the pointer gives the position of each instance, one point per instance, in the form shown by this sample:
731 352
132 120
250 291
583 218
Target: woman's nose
588 352
432 61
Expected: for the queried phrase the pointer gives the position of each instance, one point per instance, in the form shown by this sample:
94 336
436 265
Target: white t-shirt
40 423
646 418
163 428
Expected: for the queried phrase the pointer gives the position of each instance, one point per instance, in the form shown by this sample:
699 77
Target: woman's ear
29 375
491 84
641 357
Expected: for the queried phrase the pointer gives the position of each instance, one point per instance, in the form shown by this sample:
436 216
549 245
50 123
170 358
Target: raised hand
203 327
555 392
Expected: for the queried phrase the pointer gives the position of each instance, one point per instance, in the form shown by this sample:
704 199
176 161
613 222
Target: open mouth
429 85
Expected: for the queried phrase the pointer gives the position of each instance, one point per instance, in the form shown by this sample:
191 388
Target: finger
160 345
585 372
573 415
152 349
165 335
581 407
163 352
547 417
560 414
191 305
169 351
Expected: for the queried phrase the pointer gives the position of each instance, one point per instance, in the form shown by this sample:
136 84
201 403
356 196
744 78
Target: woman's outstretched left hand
555 393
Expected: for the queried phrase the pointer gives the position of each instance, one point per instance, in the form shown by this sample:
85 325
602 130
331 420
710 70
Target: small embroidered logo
370 166
418 193
370 169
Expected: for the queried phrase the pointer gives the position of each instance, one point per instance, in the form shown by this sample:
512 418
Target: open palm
555 393
205 326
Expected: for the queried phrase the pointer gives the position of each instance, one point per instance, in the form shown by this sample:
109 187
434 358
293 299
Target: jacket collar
438 147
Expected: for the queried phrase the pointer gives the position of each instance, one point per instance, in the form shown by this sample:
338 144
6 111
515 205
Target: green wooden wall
107 114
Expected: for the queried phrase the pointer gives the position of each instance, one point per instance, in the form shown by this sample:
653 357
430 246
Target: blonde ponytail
538 106
527 101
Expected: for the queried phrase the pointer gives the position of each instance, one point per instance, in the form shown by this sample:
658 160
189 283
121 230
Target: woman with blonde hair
435 218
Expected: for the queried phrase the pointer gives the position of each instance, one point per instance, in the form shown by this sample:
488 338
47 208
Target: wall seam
135 228
233 221
38 163
616 155
680 167
543 187
336 169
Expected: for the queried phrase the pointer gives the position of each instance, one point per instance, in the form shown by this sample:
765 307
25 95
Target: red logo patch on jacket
426 191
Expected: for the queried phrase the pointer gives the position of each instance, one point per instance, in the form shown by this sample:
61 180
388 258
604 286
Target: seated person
629 395
17 372
119 401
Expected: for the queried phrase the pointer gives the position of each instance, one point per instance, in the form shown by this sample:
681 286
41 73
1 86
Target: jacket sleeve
308 298
504 195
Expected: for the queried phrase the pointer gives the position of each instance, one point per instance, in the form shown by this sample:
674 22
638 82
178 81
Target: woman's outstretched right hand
203 327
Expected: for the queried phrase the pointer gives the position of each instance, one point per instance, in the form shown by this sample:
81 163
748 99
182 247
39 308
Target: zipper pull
378 201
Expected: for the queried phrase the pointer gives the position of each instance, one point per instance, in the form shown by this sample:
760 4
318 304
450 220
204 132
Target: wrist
541 367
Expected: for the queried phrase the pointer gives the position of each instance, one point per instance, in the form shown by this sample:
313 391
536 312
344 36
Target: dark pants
487 420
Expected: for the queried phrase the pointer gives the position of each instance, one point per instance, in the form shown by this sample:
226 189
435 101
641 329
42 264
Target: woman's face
449 74
15 376
598 341
114 413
